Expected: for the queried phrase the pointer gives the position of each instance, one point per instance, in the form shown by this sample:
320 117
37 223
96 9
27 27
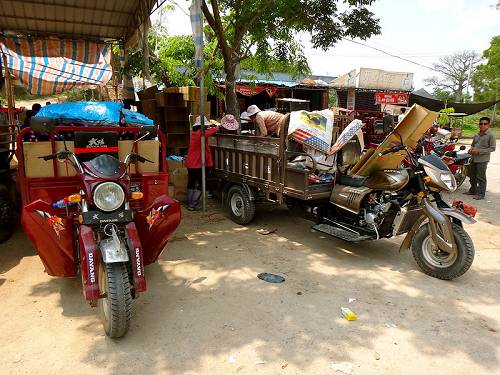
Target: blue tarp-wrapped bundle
89 114
94 114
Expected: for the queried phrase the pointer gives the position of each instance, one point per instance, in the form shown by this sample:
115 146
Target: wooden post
9 91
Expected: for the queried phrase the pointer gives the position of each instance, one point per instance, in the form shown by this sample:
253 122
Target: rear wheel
115 308
7 218
440 264
241 207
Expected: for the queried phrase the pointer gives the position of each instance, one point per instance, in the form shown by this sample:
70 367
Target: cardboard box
194 109
35 167
179 179
174 164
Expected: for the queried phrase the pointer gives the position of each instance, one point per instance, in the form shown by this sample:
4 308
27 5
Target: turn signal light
427 180
75 198
136 195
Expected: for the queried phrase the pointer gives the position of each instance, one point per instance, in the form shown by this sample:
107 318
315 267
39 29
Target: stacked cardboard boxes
191 97
178 179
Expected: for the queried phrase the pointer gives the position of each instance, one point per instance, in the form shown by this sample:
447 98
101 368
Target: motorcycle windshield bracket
112 249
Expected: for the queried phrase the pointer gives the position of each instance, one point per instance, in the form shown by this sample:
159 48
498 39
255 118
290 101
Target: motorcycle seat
354 181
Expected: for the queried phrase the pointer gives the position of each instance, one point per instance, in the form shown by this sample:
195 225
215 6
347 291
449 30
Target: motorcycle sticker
54 221
155 214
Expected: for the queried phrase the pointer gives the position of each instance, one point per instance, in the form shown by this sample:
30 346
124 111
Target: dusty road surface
206 312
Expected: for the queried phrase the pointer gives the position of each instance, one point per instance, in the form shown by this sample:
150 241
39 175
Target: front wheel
241 207
440 264
115 308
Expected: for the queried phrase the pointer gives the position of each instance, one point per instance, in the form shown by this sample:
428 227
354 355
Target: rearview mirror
462 148
42 124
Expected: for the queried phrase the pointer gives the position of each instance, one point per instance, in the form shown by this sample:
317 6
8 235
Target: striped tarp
52 65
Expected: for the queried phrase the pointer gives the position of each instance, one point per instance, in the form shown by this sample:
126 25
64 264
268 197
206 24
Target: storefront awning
423 98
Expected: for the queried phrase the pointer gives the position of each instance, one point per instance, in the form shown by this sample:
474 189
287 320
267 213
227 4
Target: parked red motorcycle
103 221
457 162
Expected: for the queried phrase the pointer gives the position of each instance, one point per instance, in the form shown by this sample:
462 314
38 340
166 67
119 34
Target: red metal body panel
136 260
156 225
89 262
52 236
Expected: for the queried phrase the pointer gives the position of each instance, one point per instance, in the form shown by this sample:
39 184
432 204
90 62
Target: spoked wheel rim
104 304
237 204
436 257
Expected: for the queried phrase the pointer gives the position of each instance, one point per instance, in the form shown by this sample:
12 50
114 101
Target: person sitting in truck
268 122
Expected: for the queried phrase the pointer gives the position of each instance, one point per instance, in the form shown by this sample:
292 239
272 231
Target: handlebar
58 155
133 157
391 150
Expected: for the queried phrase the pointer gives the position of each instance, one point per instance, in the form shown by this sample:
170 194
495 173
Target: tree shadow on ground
188 320
14 249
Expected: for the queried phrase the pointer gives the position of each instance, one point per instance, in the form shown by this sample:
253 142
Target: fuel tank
389 179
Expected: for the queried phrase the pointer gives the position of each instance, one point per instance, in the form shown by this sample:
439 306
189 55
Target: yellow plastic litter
348 313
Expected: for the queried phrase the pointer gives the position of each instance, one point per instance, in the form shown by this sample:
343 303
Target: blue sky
420 30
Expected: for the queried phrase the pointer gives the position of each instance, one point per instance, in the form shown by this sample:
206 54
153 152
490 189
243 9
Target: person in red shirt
193 161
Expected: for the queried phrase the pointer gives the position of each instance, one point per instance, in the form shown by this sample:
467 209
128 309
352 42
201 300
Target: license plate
99 217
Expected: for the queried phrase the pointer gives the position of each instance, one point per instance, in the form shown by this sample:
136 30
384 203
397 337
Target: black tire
116 308
241 208
452 266
7 218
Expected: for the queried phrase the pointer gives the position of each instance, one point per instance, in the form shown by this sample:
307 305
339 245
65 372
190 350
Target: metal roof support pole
196 16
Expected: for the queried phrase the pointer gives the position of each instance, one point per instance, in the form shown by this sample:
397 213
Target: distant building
264 90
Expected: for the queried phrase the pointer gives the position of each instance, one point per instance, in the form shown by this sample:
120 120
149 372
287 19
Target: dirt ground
206 312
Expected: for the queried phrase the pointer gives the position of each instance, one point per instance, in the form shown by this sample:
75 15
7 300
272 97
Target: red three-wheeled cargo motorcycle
95 206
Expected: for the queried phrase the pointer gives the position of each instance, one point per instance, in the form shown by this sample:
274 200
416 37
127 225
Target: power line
392 55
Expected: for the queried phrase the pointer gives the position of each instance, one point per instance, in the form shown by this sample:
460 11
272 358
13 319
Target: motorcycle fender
89 263
406 244
156 224
136 258
440 228
53 237
113 251
459 215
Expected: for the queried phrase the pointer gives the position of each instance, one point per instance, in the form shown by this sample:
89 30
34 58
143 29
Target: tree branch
240 33
216 24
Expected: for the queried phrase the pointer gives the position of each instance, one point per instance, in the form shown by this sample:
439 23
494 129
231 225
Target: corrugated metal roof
89 19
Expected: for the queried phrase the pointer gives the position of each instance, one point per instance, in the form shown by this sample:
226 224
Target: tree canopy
454 72
271 29
486 79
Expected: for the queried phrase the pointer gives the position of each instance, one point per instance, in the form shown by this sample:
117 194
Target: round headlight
108 196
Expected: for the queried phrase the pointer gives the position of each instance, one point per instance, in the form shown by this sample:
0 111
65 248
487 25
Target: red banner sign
251 91
391 98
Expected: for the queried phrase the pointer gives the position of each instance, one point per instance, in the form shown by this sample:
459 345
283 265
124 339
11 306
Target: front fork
91 255
440 228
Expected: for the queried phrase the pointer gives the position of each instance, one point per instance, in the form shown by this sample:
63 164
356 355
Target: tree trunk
459 93
232 105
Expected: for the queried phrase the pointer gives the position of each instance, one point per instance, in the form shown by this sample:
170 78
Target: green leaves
486 79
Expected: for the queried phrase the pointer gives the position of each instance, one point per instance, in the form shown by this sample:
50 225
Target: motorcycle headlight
442 179
108 196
